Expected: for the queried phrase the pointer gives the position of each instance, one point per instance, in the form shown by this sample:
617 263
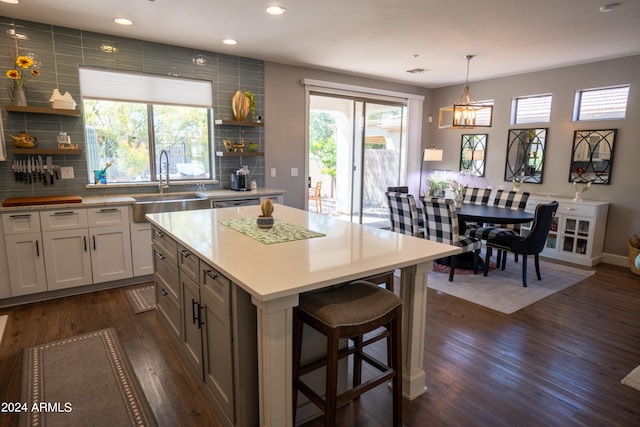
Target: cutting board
47 200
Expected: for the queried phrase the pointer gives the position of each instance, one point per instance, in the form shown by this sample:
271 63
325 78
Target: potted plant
266 220
252 103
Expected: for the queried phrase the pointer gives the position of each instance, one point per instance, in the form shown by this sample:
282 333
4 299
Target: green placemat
279 233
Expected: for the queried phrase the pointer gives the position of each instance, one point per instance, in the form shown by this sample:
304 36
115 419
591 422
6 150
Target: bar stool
349 311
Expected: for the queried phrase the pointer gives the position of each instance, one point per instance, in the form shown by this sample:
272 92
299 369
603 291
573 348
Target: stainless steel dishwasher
234 203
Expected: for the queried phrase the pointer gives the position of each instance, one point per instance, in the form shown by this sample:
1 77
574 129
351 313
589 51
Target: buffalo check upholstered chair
441 225
509 200
403 213
476 196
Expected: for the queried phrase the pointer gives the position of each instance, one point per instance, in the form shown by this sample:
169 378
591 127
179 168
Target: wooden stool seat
349 311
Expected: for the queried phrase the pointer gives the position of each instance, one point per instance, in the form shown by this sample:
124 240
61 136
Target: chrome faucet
160 185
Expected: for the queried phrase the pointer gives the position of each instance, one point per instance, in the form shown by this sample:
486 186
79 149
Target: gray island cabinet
214 325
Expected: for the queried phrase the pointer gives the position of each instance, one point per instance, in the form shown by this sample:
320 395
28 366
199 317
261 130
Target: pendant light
466 110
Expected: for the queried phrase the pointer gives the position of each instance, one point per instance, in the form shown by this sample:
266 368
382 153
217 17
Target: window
601 104
531 109
131 118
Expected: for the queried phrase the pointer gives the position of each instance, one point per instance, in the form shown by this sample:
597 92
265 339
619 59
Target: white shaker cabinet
25 254
577 232
141 252
110 243
66 248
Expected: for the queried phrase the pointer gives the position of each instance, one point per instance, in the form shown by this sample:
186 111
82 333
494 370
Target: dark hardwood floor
558 362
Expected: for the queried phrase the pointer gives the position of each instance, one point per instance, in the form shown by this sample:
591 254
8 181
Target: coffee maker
239 180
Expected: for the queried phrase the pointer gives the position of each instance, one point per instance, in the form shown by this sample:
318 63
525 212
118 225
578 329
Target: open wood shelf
239 154
42 110
49 151
237 123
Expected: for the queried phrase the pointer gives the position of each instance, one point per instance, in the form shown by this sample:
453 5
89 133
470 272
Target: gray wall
622 193
285 107
61 50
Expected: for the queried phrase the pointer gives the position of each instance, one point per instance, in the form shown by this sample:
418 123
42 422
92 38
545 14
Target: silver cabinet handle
159 234
185 253
64 213
208 273
160 256
163 292
106 210
20 216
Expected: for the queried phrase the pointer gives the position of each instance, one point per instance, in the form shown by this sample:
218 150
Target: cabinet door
576 235
141 252
110 253
192 321
25 259
67 258
218 366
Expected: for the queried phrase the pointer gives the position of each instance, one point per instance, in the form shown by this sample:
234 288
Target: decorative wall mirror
525 155
592 156
472 154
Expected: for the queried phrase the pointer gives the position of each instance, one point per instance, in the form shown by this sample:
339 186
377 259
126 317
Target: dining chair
403 213
476 196
316 194
441 225
532 244
399 189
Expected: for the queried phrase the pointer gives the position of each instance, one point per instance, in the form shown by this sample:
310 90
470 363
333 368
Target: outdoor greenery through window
118 132
531 109
132 117
601 104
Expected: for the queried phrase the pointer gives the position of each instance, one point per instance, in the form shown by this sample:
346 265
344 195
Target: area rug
142 298
633 379
85 380
503 291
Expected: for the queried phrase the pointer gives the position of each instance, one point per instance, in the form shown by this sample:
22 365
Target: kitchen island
274 275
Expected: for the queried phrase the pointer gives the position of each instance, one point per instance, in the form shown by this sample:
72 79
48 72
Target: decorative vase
459 198
578 197
17 96
240 105
516 189
265 221
100 176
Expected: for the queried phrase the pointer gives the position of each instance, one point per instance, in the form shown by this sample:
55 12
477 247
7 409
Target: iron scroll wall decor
525 155
592 156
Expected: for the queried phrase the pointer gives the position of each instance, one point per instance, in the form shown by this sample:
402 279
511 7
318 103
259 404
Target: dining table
275 273
490 214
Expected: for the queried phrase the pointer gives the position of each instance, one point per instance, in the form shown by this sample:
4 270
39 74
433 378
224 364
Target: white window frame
518 104
607 109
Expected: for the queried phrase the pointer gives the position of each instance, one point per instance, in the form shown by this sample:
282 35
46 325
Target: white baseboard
622 261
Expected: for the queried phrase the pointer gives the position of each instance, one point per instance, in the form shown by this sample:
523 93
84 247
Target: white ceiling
373 38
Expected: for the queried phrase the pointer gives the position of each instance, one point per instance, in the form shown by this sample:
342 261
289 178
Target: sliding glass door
356 149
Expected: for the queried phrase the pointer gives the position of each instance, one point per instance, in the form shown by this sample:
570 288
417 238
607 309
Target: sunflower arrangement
26 67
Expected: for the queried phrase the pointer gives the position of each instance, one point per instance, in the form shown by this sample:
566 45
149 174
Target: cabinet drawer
167 273
108 216
169 309
576 209
216 284
23 222
63 219
188 263
164 243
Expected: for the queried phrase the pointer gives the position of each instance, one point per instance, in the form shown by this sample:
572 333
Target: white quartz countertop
127 199
346 252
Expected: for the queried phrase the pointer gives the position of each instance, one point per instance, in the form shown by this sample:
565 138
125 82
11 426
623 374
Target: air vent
417 70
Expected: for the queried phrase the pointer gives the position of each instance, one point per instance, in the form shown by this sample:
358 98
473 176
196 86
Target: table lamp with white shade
431 154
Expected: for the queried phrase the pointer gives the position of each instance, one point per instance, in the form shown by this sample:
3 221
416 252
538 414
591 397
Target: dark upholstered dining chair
441 225
403 213
532 244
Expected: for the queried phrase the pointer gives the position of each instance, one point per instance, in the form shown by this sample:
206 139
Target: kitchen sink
170 202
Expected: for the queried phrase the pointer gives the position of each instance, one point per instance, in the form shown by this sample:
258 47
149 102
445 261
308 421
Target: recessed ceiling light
123 21
229 41
275 10
609 7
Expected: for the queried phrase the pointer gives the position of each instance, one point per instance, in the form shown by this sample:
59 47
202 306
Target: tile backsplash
61 50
